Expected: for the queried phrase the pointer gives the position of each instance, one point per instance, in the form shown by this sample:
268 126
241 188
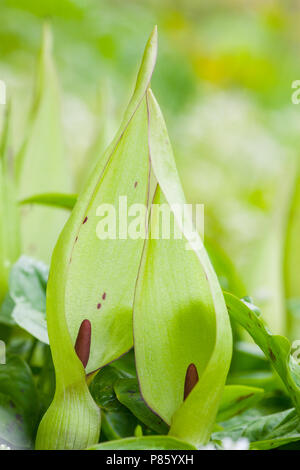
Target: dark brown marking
135 184
104 296
85 219
191 379
272 355
83 342
76 239
98 306
244 397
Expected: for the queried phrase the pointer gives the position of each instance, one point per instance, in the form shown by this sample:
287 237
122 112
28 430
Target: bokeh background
224 82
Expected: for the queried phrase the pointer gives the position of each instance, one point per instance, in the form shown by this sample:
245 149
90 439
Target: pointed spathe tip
47 36
153 37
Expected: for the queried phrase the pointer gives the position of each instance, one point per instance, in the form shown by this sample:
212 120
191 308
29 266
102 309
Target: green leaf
117 420
263 432
236 399
19 404
118 424
276 348
179 312
95 279
145 443
6 310
102 388
128 393
287 431
27 288
59 200
41 163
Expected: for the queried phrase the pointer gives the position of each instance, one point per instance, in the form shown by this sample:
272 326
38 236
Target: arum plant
181 327
9 214
182 334
109 270
41 162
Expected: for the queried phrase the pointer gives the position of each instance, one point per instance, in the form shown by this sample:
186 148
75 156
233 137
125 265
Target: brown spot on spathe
272 355
83 342
191 379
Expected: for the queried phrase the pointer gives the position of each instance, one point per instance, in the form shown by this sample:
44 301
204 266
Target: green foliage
276 348
145 443
236 399
26 302
264 432
64 201
19 404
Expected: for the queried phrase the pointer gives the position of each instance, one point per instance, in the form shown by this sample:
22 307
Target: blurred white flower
4 447
240 444
209 446
228 444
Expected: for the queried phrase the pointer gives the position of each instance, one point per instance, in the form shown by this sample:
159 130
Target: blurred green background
224 82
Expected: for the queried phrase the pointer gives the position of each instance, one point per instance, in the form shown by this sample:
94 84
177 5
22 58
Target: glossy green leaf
145 443
19 404
102 388
95 279
6 310
263 432
236 399
26 303
59 200
9 214
27 288
118 424
288 430
117 420
179 312
276 348
41 163
128 393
